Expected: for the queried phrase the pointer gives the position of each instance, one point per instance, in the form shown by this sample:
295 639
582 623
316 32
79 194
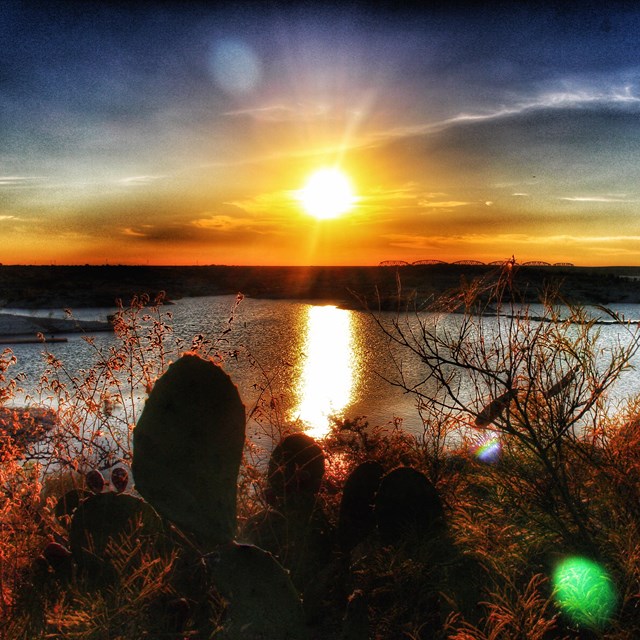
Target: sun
327 194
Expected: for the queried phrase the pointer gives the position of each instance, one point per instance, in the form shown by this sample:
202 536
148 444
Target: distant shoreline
17 328
75 287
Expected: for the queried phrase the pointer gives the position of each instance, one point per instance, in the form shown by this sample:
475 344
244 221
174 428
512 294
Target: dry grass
566 482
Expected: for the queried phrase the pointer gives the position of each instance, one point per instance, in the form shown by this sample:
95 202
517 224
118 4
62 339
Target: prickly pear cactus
296 530
95 481
107 516
356 519
56 554
268 529
110 518
301 540
187 448
119 479
263 603
69 502
296 469
407 505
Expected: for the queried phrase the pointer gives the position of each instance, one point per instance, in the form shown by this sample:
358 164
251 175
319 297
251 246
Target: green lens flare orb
584 592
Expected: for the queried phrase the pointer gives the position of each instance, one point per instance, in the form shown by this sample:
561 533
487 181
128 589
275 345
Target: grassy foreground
537 478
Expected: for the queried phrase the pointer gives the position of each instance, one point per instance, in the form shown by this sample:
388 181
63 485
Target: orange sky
164 136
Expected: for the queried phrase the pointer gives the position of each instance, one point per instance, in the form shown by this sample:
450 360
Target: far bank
36 287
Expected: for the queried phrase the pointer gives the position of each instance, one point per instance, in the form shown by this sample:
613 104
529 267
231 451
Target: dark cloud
556 147
71 67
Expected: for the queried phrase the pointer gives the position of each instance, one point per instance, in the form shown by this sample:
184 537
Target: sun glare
328 375
327 194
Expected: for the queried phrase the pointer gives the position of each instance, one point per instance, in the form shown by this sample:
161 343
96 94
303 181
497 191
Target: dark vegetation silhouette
167 522
95 286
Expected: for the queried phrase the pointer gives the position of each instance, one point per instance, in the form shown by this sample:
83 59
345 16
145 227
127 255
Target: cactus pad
263 603
296 467
356 519
407 505
107 516
119 479
95 481
187 448
69 502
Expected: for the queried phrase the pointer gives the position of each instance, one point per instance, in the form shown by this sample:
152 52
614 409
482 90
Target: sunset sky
173 133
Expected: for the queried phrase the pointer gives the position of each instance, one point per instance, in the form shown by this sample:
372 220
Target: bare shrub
537 383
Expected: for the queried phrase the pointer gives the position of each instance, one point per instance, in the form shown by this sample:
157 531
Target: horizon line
390 264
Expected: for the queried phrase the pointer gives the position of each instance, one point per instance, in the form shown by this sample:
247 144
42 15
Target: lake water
297 360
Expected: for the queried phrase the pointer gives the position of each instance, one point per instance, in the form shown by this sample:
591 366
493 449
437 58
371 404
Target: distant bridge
468 262
394 263
529 263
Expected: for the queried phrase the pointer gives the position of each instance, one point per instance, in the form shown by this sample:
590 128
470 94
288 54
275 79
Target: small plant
98 407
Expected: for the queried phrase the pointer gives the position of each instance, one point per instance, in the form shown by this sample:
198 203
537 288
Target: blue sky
178 133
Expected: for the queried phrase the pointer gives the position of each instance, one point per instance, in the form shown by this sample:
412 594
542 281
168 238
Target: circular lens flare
584 591
236 68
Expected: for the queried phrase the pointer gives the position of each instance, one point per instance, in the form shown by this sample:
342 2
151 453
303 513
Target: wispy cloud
586 96
594 239
224 223
20 181
282 112
595 199
442 241
456 240
442 204
411 196
399 196
135 232
615 95
270 206
134 181
409 131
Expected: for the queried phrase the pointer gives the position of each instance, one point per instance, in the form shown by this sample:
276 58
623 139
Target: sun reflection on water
327 377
